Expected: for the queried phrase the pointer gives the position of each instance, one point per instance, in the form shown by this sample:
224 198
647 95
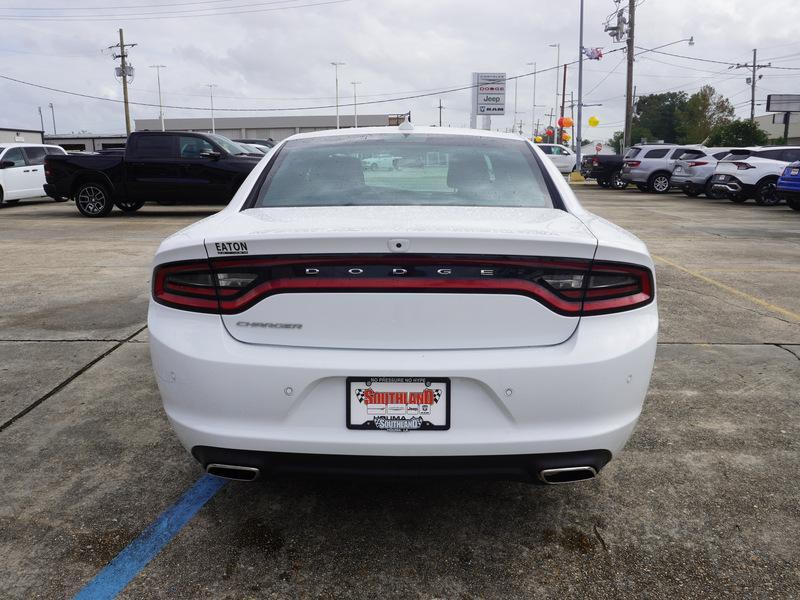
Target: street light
53 113
558 64
336 66
355 105
160 104
533 106
211 87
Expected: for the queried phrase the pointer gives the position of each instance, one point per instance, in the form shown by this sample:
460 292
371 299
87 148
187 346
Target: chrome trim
547 473
248 473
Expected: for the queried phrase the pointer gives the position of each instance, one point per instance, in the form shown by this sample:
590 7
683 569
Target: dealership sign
783 103
488 93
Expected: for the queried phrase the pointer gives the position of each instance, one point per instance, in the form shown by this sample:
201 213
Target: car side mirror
6 164
213 155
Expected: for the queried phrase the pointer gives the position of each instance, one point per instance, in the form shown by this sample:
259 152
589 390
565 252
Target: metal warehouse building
276 128
32 136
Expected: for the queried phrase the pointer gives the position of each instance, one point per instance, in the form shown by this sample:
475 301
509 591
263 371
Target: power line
160 5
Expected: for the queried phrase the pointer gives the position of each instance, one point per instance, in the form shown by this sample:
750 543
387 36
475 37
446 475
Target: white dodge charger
460 314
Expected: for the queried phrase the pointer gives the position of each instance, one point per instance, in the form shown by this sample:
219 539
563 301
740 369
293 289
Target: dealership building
31 136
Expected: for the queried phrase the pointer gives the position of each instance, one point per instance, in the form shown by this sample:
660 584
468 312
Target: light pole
53 113
580 93
211 87
533 106
355 104
558 64
41 118
336 66
160 104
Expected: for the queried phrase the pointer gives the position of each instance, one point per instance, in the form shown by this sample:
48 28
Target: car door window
791 155
558 151
658 153
546 149
776 154
679 152
35 154
193 147
16 156
155 146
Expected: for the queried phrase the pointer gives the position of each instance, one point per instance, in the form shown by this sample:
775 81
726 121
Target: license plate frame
396 414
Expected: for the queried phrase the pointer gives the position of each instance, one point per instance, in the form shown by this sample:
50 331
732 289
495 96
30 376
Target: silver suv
694 169
649 166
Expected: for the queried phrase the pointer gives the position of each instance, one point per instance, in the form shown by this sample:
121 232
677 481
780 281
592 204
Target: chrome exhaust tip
234 472
567 474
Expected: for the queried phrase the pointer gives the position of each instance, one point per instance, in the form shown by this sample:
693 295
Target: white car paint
525 380
25 179
563 157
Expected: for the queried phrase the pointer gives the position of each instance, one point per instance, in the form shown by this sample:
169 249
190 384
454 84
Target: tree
703 112
658 117
616 141
737 133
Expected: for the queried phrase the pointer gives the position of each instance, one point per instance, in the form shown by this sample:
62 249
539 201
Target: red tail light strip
612 287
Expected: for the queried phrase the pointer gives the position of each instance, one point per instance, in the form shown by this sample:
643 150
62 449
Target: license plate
795 171
721 178
398 403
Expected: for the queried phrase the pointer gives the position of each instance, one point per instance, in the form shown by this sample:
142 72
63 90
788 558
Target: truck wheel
93 200
766 193
129 206
603 183
794 203
617 182
658 183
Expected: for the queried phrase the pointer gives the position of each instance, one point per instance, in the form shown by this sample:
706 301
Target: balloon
566 137
594 121
561 122
549 131
565 122
538 139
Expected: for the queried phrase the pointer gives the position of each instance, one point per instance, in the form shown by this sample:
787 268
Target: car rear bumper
732 187
634 175
51 191
584 394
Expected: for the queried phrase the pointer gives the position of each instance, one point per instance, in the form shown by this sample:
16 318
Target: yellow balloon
594 121
538 139
566 137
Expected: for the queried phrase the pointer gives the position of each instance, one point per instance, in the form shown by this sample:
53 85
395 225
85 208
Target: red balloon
561 122
549 131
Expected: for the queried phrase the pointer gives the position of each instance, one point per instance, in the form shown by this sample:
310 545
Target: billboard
783 103
488 94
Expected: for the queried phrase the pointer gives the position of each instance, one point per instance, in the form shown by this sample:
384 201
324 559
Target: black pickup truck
163 167
605 168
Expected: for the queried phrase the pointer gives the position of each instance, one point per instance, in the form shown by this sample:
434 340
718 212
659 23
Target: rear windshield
397 169
691 154
632 152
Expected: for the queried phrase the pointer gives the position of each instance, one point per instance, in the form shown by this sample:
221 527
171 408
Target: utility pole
440 112
123 58
160 104
536 130
355 105
53 113
558 64
629 81
516 86
533 106
336 66
577 141
563 100
41 118
752 81
211 87
551 114
572 116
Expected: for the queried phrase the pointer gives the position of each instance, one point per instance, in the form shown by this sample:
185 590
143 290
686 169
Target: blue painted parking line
134 557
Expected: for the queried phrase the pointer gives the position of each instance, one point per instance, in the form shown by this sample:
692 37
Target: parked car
381 161
606 169
22 170
164 167
268 143
563 157
649 166
452 307
753 173
694 168
789 185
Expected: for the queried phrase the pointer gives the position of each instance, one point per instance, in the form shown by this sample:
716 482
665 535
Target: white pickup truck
22 170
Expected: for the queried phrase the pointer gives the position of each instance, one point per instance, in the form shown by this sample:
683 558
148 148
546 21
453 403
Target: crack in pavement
789 350
68 380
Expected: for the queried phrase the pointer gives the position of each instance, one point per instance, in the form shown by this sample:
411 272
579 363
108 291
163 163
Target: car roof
20 144
361 131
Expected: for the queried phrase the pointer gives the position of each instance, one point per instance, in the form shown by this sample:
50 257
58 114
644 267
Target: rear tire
603 183
737 199
710 193
642 187
129 206
93 200
658 183
766 193
794 203
617 182
691 192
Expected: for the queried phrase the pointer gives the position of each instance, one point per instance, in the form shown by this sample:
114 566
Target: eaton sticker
231 247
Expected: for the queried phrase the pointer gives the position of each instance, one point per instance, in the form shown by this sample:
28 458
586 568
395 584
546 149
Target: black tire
617 182
129 206
642 187
794 203
737 199
16 201
658 183
710 193
766 193
93 200
603 183
691 192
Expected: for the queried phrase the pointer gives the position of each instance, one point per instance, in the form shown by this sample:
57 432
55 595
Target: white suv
562 157
22 170
753 173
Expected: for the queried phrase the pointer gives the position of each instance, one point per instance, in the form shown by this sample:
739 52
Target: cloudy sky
276 54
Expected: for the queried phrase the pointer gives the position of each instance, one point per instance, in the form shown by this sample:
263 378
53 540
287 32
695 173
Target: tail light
633 163
742 166
595 162
571 287
696 163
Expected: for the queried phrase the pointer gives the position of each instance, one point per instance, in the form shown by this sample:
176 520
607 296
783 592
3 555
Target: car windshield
414 169
229 146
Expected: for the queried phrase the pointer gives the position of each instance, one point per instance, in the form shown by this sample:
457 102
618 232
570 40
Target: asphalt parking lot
703 502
